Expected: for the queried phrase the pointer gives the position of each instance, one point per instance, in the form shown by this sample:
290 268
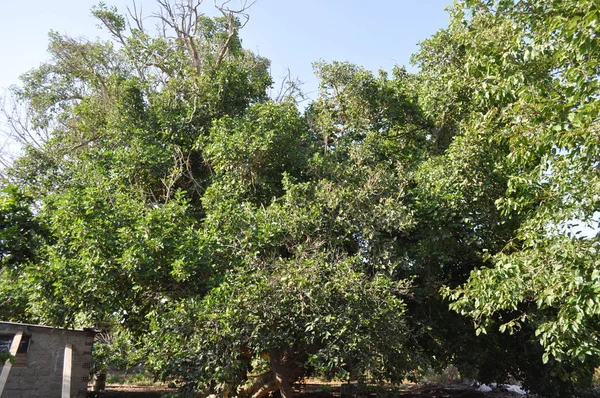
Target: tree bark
261 386
283 374
99 381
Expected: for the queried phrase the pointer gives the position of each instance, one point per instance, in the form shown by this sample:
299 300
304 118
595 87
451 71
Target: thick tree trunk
266 389
99 381
285 387
285 373
261 386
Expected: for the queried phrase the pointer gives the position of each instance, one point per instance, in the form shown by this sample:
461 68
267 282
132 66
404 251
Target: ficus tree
169 184
247 244
302 221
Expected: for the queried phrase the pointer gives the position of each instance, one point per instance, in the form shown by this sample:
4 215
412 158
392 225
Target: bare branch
183 20
136 16
19 125
231 14
166 15
290 88
227 43
162 68
83 143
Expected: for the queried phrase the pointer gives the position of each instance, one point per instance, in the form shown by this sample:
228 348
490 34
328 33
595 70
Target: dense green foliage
18 229
223 234
525 77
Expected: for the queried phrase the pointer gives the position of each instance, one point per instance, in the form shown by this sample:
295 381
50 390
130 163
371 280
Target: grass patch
138 379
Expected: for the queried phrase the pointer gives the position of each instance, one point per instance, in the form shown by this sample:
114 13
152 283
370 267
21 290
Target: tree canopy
401 222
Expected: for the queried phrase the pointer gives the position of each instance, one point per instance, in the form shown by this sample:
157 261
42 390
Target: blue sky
292 34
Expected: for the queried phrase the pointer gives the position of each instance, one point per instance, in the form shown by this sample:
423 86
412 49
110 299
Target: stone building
48 362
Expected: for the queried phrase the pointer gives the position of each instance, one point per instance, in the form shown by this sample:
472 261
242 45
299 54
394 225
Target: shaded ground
407 391
131 391
324 391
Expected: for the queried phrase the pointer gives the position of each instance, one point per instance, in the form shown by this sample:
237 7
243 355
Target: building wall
39 372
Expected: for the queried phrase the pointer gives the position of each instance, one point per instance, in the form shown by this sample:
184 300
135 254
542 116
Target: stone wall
40 371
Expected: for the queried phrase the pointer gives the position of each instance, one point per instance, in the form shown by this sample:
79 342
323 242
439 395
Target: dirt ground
412 391
131 391
322 391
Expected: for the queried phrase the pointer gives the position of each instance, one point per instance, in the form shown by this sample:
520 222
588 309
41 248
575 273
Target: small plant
5 356
113 378
141 379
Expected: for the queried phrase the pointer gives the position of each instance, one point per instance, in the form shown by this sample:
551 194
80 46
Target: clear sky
374 34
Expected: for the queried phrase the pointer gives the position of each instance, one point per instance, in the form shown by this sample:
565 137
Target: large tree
227 231
302 217
234 235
